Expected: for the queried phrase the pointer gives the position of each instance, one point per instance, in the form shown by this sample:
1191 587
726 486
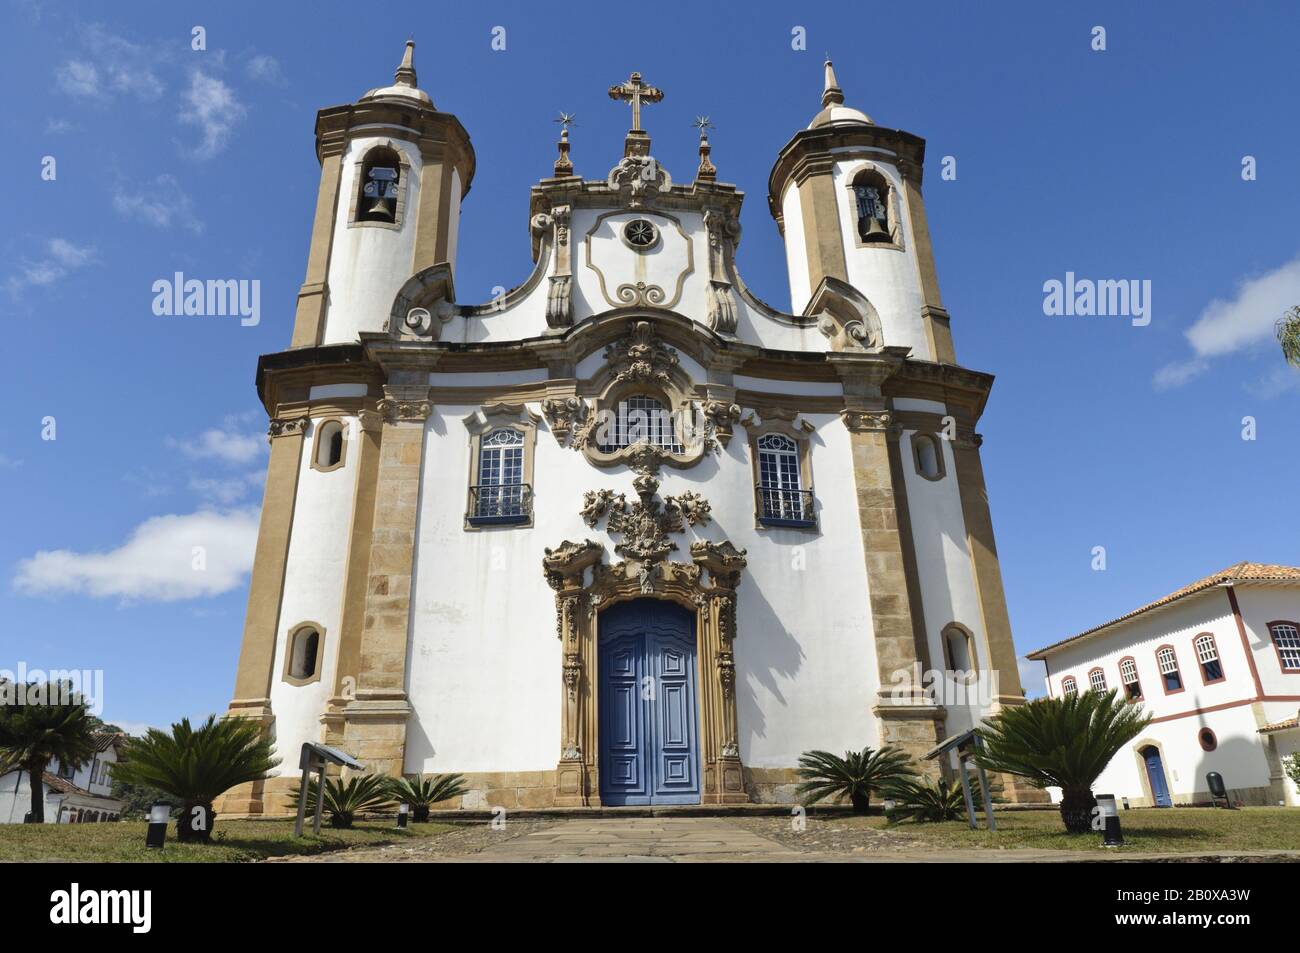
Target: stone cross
636 92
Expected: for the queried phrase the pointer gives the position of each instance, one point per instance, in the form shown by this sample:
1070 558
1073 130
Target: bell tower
394 170
846 195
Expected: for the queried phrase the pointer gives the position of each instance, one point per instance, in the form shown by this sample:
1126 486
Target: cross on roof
636 92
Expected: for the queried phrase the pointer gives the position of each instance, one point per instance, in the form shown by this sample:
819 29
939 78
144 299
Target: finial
563 165
831 92
707 172
638 93
405 75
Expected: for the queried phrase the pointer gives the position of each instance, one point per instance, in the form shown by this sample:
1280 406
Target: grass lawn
232 841
1145 829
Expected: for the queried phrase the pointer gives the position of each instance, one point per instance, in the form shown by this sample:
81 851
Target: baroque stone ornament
641 357
640 293
723 230
646 523
563 415
287 427
719 417
864 421
559 294
395 410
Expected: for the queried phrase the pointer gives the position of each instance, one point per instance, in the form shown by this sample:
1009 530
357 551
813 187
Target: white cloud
1278 381
9 463
1228 326
54 127
161 204
1032 677
61 258
110 65
222 443
158 563
211 106
264 69
227 490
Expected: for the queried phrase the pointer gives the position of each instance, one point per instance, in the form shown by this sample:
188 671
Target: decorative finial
405 75
636 92
707 172
563 165
831 92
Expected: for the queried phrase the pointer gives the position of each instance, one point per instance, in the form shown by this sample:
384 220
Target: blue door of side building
649 751
1156 775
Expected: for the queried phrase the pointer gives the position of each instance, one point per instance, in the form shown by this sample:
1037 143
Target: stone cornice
811 149
439 135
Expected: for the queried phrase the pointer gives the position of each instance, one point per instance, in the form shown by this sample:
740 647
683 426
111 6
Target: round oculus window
1207 739
640 234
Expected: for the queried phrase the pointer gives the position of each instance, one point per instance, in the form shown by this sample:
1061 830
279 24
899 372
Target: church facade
626 534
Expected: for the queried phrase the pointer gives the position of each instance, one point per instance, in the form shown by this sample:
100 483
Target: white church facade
626 534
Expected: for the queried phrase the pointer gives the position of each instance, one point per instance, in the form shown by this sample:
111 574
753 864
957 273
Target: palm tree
54 724
198 765
854 776
927 799
1288 335
420 792
1062 742
344 800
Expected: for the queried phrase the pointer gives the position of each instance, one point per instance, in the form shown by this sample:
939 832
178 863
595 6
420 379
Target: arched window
378 187
1207 654
1069 687
1097 680
639 418
1128 675
329 445
1286 639
303 657
958 649
500 492
1168 663
927 455
871 196
781 496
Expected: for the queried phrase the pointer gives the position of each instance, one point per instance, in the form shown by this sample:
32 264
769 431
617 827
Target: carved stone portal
707 586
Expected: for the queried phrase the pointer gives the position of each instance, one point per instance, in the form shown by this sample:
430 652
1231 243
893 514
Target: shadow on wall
1244 766
768 651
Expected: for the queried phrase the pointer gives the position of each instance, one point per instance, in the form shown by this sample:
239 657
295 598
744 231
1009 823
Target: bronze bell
875 231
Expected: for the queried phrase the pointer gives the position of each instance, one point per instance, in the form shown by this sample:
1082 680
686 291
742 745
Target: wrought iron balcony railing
512 503
778 506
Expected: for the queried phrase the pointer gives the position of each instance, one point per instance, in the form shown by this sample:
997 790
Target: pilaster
313 297
375 719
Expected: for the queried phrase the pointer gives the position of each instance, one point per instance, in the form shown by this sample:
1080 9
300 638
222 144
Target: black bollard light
1112 834
403 812
159 815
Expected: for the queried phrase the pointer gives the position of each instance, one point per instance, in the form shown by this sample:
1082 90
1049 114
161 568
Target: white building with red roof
1217 664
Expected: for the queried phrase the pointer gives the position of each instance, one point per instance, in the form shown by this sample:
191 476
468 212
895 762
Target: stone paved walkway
693 840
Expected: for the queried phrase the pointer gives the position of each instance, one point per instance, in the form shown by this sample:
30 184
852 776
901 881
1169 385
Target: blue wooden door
1156 775
648 723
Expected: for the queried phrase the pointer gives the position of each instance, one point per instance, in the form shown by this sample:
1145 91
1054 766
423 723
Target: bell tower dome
846 194
394 170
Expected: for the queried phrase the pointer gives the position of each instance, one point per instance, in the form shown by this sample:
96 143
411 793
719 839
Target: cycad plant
421 792
53 724
198 765
345 799
1062 742
854 776
1288 335
930 800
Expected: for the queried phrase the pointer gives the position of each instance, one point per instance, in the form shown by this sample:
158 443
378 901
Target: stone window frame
318 428
956 628
893 205
403 178
290 646
938 441
1201 740
677 396
483 421
787 423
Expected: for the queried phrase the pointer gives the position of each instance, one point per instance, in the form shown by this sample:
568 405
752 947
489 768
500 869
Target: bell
875 232
381 207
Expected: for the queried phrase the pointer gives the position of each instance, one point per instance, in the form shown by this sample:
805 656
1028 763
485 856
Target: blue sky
1117 164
